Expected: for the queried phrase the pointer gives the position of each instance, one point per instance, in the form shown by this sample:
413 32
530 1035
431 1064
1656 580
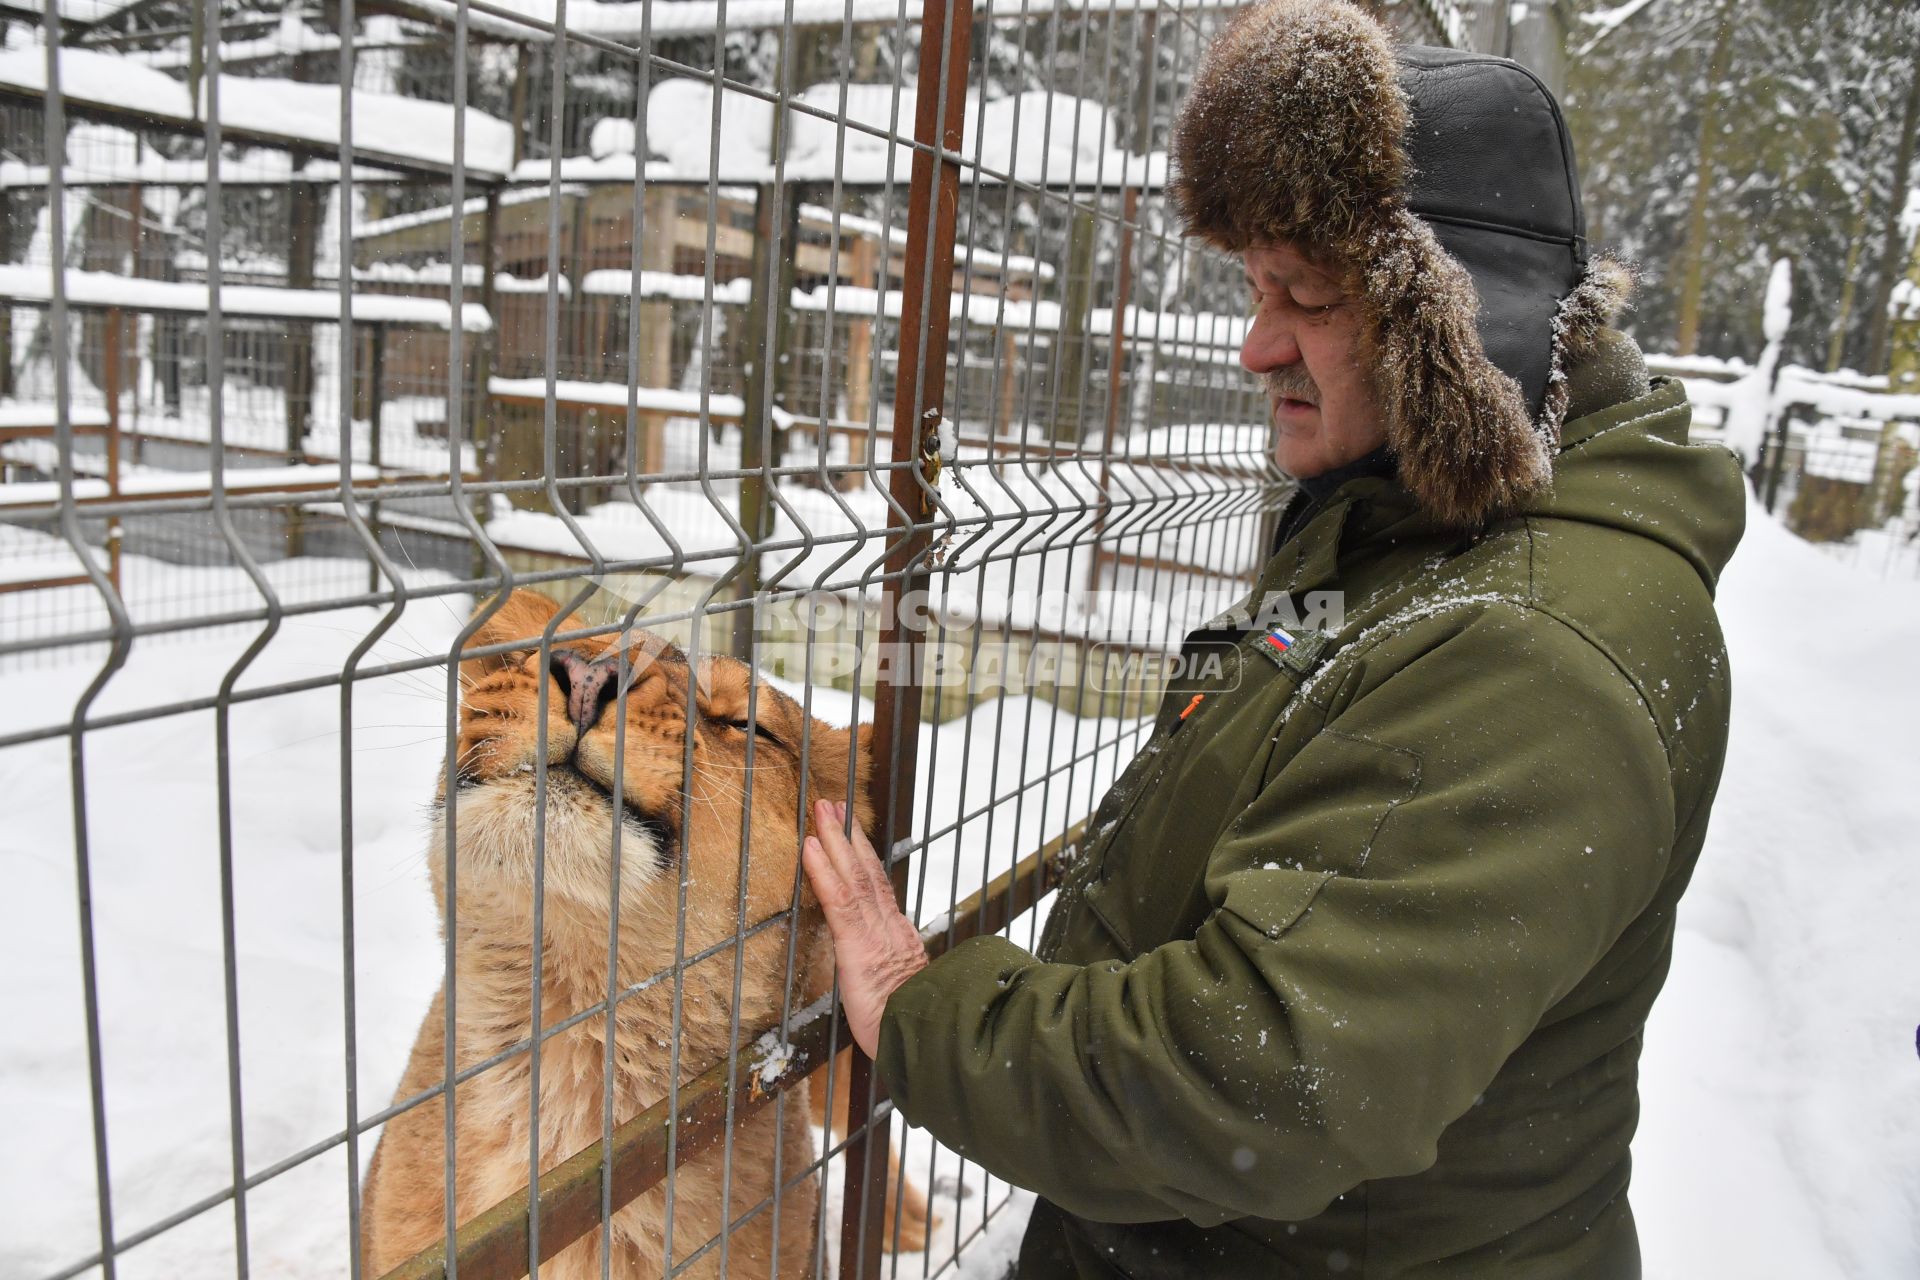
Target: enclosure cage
850 345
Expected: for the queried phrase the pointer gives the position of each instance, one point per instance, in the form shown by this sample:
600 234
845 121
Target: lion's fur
492 885
1294 133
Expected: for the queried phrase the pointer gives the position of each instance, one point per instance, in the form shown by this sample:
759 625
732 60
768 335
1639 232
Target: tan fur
1457 424
493 890
1292 134
1291 131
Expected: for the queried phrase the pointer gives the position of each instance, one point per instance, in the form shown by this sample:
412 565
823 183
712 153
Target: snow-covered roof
1036 137
468 209
84 12
100 154
440 275
615 395
252 167
28 413
963 254
387 128
34 283
629 20
678 287
1182 333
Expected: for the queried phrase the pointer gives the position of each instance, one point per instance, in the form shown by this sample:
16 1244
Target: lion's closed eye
757 728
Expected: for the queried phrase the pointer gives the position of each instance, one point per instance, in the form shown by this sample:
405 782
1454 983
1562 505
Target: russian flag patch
1278 639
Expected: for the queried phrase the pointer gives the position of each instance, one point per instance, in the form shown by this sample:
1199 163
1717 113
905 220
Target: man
1353 979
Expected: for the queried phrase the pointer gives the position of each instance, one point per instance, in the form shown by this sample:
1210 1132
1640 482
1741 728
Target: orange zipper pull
1188 710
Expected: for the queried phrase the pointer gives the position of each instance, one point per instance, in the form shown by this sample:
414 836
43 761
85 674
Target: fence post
114 321
1779 413
376 370
933 199
765 334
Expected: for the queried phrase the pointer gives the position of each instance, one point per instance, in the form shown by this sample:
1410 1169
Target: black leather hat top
1493 174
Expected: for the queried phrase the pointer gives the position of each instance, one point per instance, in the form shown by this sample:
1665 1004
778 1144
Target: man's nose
588 686
1269 345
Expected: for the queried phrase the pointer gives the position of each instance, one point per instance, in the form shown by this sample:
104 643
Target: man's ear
523 616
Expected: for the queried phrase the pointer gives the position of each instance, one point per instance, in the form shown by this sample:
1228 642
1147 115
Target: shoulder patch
1291 652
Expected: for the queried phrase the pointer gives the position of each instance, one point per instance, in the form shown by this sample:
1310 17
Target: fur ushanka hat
1443 184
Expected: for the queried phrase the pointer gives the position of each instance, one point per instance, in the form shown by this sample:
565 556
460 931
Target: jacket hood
1628 466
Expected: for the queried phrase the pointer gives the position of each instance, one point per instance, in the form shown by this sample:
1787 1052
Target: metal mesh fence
456 524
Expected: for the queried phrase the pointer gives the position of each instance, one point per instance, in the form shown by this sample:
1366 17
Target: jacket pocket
1272 898
1148 884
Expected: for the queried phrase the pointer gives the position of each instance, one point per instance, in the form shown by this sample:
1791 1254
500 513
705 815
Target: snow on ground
1781 1133
1781 1125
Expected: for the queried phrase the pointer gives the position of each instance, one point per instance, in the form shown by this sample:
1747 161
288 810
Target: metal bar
273 493
112 389
673 561
376 405
456 418
919 398
56 147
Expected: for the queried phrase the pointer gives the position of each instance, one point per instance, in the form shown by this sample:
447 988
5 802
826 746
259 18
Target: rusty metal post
933 199
764 307
1116 358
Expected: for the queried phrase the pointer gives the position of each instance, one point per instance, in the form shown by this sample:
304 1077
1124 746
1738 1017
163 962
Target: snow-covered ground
1781 1134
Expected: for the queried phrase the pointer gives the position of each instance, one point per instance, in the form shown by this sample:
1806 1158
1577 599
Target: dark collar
1321 487
1313 491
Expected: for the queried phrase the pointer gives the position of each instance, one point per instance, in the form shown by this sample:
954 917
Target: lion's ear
523 616
863 775
831 748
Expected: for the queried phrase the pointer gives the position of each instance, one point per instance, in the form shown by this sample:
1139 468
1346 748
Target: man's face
1303 342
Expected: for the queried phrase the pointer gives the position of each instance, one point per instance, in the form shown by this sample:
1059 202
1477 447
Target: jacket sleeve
1500 804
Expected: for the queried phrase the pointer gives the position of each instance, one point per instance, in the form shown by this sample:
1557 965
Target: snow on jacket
1351 978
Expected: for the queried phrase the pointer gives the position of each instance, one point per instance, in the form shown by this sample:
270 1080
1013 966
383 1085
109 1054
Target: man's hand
875 946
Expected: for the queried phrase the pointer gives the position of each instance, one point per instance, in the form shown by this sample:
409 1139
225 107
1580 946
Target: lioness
495 824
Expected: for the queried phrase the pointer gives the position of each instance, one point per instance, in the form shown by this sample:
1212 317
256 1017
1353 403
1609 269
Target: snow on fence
1836 454
865 358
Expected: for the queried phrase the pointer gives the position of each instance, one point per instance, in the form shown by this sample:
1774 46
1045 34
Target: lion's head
677 810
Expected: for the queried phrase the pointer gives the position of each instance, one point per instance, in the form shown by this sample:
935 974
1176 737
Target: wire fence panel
475 473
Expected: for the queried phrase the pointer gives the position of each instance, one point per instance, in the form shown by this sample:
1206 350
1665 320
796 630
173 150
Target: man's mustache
1291 383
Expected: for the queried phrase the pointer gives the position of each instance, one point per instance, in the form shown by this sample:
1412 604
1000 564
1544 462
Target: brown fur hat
1297 130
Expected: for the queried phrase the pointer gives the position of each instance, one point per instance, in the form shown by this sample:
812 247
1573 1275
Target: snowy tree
1718 135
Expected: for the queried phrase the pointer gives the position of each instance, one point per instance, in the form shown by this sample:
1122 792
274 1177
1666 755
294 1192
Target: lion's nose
589 686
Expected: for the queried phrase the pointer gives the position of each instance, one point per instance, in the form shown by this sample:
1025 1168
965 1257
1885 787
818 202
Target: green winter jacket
1351 977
